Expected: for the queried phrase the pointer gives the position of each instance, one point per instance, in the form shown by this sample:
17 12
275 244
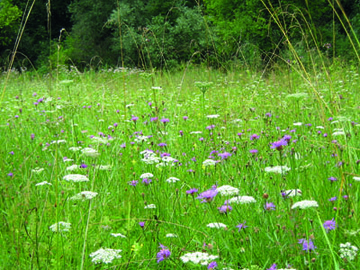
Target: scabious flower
224 209
163 253
253 151
307 245
142 224
224 155
254 137
192 191
270 206
146 181
278 145
241 226
212 265
208 195
162 144
133 183
134 119
165 120
273 267
332 179
329 225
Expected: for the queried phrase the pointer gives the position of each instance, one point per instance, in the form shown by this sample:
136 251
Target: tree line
160 34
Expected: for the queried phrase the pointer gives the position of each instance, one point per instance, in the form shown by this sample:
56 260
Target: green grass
91 103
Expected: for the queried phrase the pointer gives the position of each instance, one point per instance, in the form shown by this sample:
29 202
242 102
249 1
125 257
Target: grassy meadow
196 169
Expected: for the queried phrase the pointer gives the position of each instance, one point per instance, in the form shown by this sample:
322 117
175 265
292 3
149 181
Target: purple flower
241 226
165 155
224 209
11 153
153 119
329 225
163 253
254 137
212 265
83 166
208 195
268 114
146 181
273 267
270 206
332 179
332 199
185 118
162 144
253 151
210 127
165 120
307 245
134 118
224 155
10 174
239 134
192 191
133 183
142 224
32 136
201 139
287 138
279 145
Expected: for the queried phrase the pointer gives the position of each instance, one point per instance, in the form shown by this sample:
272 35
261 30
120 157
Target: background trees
164 34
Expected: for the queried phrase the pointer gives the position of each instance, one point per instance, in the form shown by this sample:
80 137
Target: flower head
272 267
305 204
270 206
212 265
163 253
329 225
105 255
192 191
224 209
208 195
307 245
241 226
278 145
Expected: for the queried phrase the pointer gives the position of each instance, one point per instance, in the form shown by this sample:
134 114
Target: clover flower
163 253
105 255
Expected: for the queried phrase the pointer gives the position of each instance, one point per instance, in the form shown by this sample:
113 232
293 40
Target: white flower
172 179
37 170
320 127
292 193
209 162
73 167
195 132
198 258
150 206
76 178
103 167
147 153
140 139
68 160
168 159
89 152
43 183
305 204
297 124
118 235
211 116
347 251
60 227
338 133
242 200
227 190
356 178
151 159
216 225
75 148
105 255
58 142
84 195
171 235
146 175
277 169
98 140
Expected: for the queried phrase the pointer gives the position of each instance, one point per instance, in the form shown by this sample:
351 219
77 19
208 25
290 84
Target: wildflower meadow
194 169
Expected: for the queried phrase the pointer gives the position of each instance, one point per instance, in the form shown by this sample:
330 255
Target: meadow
196 169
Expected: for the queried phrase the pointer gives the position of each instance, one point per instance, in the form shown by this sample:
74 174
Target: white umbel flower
277 169
60 227
146 175
356 178
84 195
118 235
305 204
216 225
105 255
347 251
37 170
74 148
171 235
76 178
195 132
212 116
292 193
150 206
227 190
172 179
209 162
242 200
73 167
43 184
103 167
90 152
198 258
